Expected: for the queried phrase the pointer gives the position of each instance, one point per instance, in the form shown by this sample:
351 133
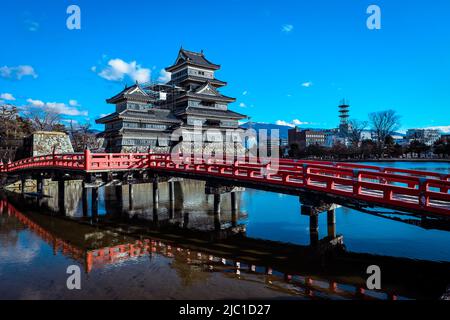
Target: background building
445 138
306 137
426 136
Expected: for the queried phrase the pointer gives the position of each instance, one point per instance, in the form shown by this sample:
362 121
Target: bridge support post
218 190
94 199
217 201
40 185
171 192
217 222
84 200
234 203
130 196
61 196
234 209
331 222
118 190
314 229
155 193
23 182
119 193
185 219
171 199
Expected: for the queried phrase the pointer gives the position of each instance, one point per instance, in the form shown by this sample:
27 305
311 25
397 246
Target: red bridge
343 183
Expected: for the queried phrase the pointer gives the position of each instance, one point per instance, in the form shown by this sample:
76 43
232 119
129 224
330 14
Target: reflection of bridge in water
322 269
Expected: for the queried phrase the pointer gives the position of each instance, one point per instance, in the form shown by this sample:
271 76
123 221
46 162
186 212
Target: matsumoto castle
146 115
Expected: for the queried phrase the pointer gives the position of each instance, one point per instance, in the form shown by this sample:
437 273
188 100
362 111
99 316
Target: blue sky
285 61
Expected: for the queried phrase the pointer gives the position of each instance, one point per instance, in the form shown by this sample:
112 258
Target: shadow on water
203 248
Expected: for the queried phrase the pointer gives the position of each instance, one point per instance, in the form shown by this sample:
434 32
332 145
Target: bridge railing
409 188
68 161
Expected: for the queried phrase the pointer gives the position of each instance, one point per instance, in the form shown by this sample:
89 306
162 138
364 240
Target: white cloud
117 70
444 129
58 107
74 103
292 124
164 76
63 109
7 96
298 122
36 103
17 72
307 84
245 93
32 25
242 105
287 28
284 123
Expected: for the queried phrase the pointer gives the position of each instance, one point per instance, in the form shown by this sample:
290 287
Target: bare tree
355 133
82 136
13 128
384 123
9 116
44 119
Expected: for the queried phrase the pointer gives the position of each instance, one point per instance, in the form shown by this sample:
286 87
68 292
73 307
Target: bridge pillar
217 222
155 215
61 196
234 209
185 219
234 203
84 200
218 190
331 222
171 199
118 192
171 192
94 199
217 202
40 185
23 182
155 193
130 196
314 229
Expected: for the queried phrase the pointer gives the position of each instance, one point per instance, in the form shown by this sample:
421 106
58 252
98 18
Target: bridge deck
407 190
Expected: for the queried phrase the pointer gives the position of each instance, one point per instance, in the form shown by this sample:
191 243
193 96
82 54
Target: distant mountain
283 130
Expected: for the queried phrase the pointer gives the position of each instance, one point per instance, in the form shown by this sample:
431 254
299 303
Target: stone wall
43 142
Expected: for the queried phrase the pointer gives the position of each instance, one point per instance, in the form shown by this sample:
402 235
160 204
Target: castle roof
186 57
133 93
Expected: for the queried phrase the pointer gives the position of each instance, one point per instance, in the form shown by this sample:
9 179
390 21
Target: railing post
305 174
356 179
424 200
148 157
444 189
53 156
87 159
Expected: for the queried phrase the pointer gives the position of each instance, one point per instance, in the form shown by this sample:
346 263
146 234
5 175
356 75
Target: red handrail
408 189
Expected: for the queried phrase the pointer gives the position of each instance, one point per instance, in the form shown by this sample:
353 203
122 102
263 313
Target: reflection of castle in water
326 271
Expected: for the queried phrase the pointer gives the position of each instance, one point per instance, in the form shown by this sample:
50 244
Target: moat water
131 250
